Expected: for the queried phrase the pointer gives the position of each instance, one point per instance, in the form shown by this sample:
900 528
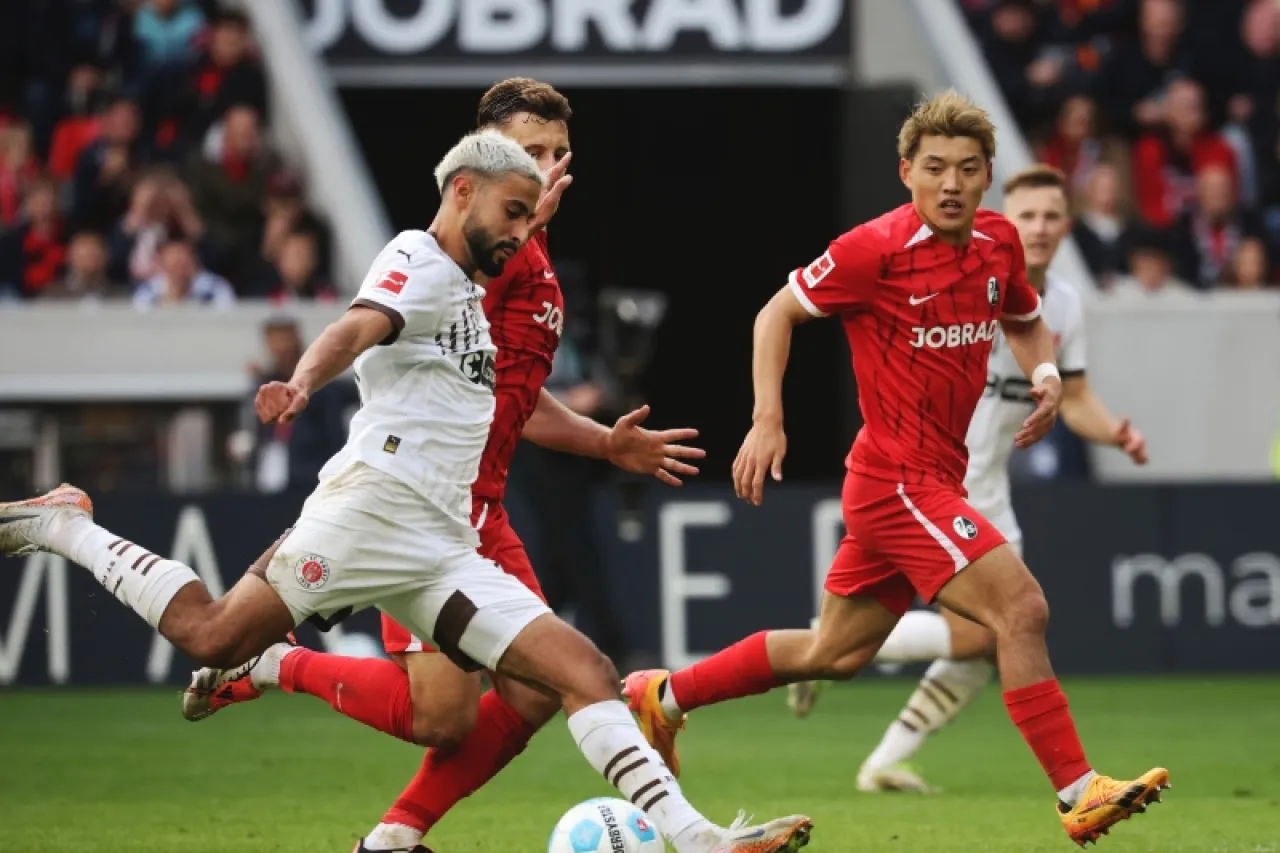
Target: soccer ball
605 825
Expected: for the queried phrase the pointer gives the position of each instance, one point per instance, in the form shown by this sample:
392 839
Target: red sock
369 690
741 670
447 777
1040 712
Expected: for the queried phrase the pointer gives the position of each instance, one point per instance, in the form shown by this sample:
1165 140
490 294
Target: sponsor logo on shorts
993 291
311 571
392 444
964 528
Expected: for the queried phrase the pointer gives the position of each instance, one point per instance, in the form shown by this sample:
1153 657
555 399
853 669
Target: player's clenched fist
1047 396
279 401
762 453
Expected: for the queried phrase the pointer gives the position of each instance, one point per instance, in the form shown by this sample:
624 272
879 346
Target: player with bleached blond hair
390 524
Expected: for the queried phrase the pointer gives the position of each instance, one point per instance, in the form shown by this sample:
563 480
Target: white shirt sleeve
1071 349
408 284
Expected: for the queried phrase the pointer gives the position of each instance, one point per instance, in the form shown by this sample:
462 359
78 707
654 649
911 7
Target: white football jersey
1007 402
426 392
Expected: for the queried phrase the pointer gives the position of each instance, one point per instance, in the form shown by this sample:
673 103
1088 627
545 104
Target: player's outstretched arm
1087 416
328 357
1031 342
766 444
627 445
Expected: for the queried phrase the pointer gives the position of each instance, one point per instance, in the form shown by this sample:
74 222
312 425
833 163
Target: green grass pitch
120 771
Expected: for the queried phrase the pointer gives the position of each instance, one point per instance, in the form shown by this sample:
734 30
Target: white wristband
1044 371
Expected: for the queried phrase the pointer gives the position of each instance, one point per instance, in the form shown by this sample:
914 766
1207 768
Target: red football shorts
498 542
904 541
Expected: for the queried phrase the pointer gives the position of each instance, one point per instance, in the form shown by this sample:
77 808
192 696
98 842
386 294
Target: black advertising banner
629 42
1139 579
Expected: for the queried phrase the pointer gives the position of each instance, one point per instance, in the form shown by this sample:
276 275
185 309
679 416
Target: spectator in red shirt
229 184
1212 230
1076 147
227 73
31 254
18 169
1165 162
79 126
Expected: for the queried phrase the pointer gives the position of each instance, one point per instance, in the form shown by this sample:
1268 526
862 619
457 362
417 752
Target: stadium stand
135 163
1164 115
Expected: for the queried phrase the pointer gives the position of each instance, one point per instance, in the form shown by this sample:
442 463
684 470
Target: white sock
920 635
668 701
266 672
947 687
1073 792
614 746
140 580
898 744
392 836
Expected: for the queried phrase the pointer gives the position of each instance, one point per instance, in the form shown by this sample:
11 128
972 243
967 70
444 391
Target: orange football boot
642 690
1108 801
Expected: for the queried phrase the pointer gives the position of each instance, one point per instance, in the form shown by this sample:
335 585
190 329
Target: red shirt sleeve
1021 302
843 279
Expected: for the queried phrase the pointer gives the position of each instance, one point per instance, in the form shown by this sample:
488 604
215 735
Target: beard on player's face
489 253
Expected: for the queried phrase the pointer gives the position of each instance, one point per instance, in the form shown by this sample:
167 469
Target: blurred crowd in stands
135 161
1165 116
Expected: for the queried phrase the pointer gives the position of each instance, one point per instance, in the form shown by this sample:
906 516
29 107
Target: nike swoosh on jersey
548 274
912 299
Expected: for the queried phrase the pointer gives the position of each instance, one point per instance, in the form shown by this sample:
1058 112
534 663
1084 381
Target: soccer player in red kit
423 697
920 292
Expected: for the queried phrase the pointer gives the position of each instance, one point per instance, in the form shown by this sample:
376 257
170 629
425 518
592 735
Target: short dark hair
1034 177
521 95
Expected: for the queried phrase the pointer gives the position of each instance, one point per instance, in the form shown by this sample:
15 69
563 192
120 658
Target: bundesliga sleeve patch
392 282
819 269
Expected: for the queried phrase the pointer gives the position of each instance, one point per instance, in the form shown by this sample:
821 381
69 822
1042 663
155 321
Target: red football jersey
919 315
526 315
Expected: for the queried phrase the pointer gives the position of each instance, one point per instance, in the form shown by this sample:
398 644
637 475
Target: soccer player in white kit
389 525
962 651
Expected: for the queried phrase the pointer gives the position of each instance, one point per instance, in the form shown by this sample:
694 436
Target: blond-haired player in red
922 292
963 652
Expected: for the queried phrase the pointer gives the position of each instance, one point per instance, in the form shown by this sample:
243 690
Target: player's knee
596 679
443 731
1028 614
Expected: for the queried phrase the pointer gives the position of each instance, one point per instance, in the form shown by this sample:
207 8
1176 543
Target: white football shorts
365 539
